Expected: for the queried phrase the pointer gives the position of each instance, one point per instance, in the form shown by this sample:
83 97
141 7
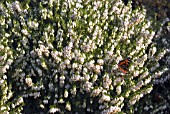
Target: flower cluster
64 56
158 100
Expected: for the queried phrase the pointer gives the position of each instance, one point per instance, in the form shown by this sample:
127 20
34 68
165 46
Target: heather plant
63 56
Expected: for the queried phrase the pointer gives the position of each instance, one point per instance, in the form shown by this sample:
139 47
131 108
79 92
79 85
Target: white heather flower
1 81
104 91
33 24
106 82
105 14
30 94
159 73
16 6
78 5
85 70
136 73
61 101
132 102
2 69
45 101
96 92
110 53
7 35
142 60
135 98
87 77
54 110
75 78
119 58
114 101
96 5
40 72
104 98
74 65
160 55
2 22
13 105
85 16
121 99
139 41
117 80
4 77
10 94
97 68
62 66
132 52
100 61
42 106
65 94
138 48
73 90
33 53
118 89
90 23
145 74
88 109
51 86
36 94
24 31
9 61
152 51
61 83
28 81
84 105
56 95
55 101
70 45
87 48
88 86
138 86
81 59
148 80
148 90
56 78
101 107
112 110
43 13
68 106
146 108
19 101
2 58
115 9
115 67
95 77
3 108
118 54
155 67
62 78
